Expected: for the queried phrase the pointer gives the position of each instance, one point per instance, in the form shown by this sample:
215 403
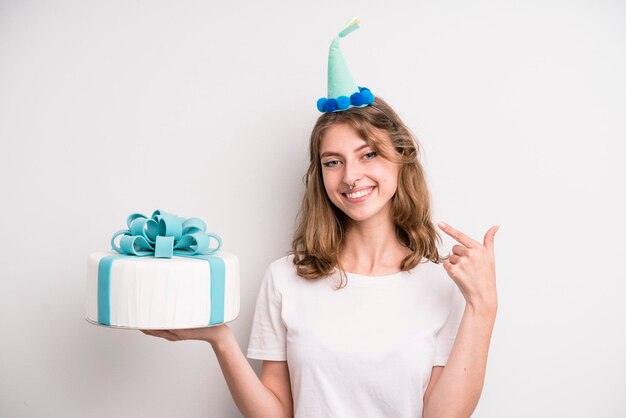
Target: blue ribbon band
218 287
104 288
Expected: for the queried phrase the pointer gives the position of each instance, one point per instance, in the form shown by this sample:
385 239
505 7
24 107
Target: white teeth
360 193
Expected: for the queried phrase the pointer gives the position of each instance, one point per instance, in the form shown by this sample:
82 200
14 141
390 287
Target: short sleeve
268 335
447 334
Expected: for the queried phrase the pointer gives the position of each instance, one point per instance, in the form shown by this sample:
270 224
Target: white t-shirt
366 350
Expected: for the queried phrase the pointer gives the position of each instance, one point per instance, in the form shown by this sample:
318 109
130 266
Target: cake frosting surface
162 293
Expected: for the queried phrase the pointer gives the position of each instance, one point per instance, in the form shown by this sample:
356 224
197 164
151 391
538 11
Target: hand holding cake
211 335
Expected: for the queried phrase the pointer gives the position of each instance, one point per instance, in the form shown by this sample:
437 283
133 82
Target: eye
331 163
370 155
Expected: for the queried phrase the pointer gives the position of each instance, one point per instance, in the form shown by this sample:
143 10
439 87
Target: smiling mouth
359 193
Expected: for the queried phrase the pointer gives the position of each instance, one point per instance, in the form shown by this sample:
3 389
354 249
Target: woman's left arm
472 267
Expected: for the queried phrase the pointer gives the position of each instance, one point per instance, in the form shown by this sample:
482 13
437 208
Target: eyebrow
331 153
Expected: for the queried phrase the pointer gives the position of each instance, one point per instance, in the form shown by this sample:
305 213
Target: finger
454 259
446 264
490 237
459 250
458 235
169 335
448 267
163 334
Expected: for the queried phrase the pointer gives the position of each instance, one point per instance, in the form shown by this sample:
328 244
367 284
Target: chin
362 216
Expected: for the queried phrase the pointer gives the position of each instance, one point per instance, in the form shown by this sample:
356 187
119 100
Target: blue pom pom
320 104
363 88
330 105
356 99
368 97
343 102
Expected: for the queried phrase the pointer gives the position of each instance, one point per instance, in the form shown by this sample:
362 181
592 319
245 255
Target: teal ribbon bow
164 235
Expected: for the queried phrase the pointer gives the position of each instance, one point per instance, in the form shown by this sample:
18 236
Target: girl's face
346 159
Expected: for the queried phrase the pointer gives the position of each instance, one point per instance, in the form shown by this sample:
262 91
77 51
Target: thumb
490 237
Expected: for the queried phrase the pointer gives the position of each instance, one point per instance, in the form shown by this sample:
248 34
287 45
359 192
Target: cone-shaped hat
343 92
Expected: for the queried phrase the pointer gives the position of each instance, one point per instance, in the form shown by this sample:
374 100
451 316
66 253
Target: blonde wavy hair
321 226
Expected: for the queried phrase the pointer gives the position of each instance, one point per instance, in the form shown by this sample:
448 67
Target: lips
359 193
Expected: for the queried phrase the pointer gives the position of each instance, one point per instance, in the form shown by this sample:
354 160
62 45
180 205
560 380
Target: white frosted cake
128 288
162 293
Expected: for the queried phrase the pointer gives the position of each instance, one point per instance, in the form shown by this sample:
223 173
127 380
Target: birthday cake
162 273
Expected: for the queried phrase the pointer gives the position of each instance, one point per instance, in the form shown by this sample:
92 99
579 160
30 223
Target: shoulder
428 270
280 272
282 261
283 276
435 276
283 266
441 289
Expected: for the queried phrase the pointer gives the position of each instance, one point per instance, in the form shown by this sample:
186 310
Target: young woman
361 320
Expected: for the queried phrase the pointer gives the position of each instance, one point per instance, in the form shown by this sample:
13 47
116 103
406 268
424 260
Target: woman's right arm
269 396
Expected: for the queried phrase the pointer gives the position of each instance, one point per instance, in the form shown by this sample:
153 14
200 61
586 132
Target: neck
372 248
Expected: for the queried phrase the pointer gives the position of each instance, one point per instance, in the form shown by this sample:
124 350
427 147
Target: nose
352 173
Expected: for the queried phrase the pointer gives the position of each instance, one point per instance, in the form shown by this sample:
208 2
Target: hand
208 334
472 266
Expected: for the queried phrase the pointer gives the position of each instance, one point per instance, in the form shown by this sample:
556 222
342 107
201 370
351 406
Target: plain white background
204 109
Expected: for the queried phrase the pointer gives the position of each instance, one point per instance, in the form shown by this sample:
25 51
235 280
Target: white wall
204 109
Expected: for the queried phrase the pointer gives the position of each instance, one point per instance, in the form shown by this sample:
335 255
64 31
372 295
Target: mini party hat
343 93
